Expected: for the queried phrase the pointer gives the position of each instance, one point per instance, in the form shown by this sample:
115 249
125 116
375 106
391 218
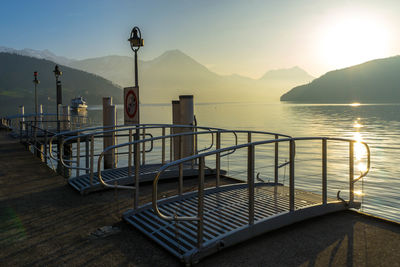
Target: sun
347 41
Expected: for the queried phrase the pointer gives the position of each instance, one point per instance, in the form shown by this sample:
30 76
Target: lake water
377 125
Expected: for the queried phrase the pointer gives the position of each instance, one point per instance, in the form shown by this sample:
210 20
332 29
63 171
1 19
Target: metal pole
137 166
276 169
130 154
136 70
181 166
91 158
200 203
218 159
45 146
250 181
144 147
87 153
351 171
324 172
36 105
57 111
291 176
163 146
78 155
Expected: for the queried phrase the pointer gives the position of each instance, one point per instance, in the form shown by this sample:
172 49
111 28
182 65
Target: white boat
78 103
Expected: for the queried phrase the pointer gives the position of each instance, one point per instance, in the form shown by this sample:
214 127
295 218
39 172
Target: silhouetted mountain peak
294 73
374 81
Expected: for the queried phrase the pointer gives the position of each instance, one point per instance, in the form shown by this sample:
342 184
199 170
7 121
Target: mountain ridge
16 87
373 81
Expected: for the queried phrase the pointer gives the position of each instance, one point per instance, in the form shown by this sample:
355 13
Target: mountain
294 74
41 54
376 81
17 88
118 69
173 73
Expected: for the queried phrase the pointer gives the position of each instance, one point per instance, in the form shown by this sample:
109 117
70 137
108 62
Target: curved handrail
116 129
142 127
205 154
232 148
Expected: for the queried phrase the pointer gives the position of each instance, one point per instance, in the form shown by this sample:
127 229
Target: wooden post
109 119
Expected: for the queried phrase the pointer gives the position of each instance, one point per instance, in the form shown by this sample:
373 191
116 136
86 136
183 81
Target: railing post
250 181
137 169
276 162
351 171
87 154
144 148
20 131
218 159
45 145
59 154
163 146
180 190
130 154
91 158
200 203
171 145
324 172
78 155
291 176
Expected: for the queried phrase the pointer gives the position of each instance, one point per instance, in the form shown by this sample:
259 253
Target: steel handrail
119 128
252 144
232 148
138 142
151 126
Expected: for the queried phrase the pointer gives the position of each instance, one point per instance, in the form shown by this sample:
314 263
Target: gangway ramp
225 218
121 176
194 225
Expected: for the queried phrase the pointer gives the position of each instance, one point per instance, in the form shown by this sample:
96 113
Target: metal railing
190 159
251 148
90 134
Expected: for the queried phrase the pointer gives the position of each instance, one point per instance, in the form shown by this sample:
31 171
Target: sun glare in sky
351 40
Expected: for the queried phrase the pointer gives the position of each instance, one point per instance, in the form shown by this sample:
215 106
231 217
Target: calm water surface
378 125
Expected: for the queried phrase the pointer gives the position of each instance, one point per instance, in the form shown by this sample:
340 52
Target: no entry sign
131 105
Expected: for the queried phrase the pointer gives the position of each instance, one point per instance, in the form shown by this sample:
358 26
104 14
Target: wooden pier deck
44 222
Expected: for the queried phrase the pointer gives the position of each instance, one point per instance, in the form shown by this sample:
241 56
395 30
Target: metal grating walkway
225 217
120 176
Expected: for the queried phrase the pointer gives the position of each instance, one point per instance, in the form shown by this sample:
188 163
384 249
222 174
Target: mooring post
109 120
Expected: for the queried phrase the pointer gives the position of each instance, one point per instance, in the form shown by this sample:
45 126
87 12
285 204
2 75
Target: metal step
225 217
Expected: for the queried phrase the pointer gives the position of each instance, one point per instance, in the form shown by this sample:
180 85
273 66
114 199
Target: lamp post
36 82
57 74
136 42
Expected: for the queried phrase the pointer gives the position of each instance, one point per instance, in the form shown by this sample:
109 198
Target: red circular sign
131 104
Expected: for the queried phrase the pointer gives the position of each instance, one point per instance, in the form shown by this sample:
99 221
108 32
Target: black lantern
136 42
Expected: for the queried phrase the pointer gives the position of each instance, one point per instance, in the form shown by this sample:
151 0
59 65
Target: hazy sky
245 37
